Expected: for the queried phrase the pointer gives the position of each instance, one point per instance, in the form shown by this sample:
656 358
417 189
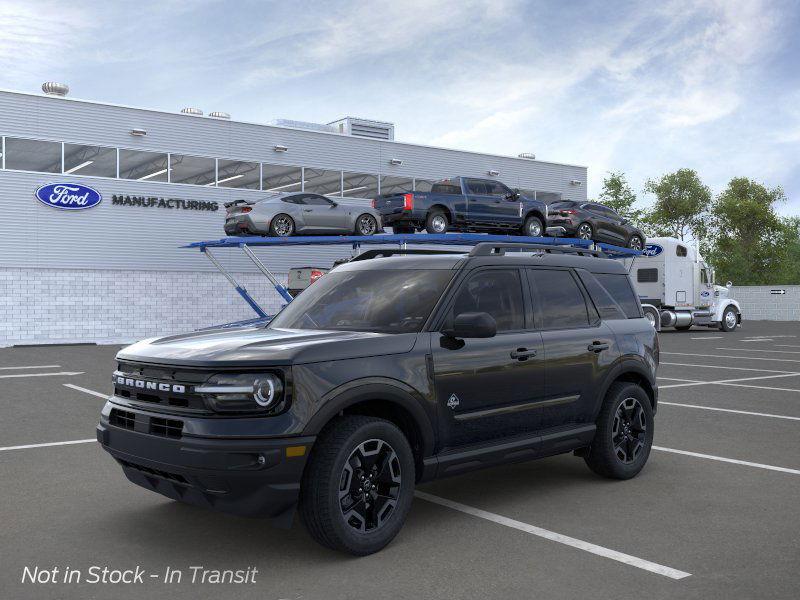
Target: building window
396 185
321 181
194 170
33 155
144 166
280 178
359 185
423 185
237 174
96 161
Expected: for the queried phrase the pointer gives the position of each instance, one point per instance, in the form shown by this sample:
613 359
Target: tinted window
647 275
316 200
619 287
360 185
196 170
294 199
321 181
605 304
681 251
476 186
144 166
496 292
559 298
239 174
359 301
90 160
446 186
33 155
280 178
562 204
495 188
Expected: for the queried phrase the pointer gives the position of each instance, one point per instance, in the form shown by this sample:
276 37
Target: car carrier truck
677 288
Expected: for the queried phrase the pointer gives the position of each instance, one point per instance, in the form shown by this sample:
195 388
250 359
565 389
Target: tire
636 243
281 225
437 222
585 231
533 227
403 228
366 224
340 450
729 320
604 456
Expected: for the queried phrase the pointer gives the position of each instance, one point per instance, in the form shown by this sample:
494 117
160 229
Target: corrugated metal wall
124 237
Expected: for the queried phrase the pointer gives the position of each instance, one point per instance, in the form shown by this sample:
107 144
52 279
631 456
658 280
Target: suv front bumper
248 477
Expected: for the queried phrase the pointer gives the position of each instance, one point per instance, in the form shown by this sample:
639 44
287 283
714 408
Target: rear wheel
585 232
281 226
533 227
436 222
366 224
729 320
624 433
358 486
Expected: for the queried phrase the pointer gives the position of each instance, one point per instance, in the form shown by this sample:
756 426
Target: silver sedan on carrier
300 213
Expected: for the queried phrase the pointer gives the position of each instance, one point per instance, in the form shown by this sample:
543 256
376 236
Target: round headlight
266 391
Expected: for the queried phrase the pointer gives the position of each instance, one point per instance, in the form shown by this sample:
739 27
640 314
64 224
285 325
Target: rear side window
560 300
647 275
681 251
478 187
446 186
618 285
497 292
608 308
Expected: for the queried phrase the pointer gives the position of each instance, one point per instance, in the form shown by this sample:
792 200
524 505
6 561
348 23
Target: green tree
618 195
681 205
749 243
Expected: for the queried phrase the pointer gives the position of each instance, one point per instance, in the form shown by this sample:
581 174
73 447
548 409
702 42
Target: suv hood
258 346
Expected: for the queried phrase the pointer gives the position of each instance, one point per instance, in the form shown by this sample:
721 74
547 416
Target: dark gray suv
391 371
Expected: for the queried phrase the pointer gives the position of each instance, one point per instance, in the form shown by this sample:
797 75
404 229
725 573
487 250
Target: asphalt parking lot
713 514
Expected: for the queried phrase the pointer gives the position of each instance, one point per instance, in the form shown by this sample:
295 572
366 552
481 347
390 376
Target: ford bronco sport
386 373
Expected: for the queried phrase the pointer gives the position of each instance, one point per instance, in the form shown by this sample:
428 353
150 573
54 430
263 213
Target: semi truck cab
677 288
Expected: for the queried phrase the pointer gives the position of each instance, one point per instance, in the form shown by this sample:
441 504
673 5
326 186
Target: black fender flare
624 367
371 389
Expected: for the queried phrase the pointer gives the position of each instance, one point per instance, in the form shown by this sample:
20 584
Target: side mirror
729 285
334 204
472 325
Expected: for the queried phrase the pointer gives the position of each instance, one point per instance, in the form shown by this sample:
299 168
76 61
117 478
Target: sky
639 87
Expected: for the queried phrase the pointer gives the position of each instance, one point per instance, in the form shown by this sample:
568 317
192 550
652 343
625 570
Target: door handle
523 353
308 210
597 346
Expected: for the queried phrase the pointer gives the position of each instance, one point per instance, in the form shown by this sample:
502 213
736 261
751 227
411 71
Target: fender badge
453 401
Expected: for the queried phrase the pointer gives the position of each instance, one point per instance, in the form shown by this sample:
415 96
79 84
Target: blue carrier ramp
402 240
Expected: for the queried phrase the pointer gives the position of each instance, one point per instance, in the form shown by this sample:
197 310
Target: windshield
388 301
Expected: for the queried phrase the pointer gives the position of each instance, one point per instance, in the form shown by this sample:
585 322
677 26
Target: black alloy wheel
585 231
369 487
629 431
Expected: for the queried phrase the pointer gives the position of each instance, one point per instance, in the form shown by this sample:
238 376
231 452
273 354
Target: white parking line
758 340
758 350
728 460
84 390
726 381
730 410
672 364
31 367
787 346
708 337
737 357
25 447
41 374
761 387
557 537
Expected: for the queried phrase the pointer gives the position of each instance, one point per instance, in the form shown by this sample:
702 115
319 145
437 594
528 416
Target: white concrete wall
759 304
48 306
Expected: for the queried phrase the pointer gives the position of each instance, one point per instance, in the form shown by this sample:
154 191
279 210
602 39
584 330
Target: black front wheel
635 243
624 433
358 487
584 232
281 226
366 225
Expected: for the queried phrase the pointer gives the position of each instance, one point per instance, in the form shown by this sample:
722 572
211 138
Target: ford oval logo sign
652 250
68 196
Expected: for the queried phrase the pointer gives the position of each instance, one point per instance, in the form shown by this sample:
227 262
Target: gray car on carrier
300 213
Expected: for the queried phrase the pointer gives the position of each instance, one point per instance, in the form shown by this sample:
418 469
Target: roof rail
383 252
490 248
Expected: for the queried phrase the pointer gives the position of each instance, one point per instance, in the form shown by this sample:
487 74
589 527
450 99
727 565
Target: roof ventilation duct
376 130
192 111
219 115
51 88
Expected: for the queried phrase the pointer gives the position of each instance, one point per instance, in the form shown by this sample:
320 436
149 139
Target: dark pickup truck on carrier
388 372
464 204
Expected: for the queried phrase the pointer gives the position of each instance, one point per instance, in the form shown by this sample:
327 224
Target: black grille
122 418
157 472
151 377
172 428
647 275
